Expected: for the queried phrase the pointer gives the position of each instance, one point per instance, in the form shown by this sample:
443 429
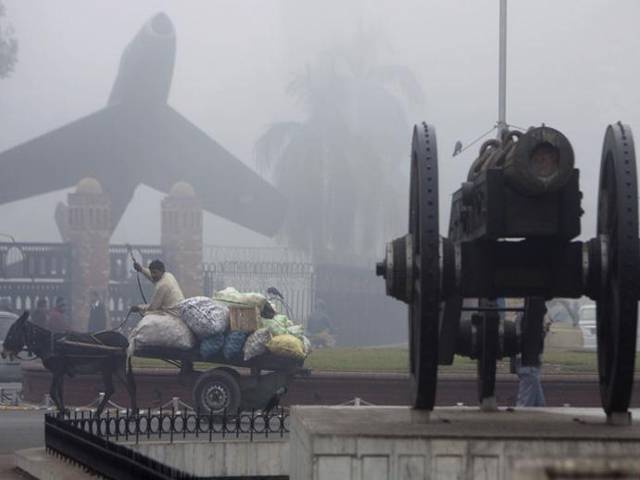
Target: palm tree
342 167
8 47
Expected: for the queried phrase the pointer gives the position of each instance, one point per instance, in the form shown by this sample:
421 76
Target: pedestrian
530 392
40 315
57 317
97 313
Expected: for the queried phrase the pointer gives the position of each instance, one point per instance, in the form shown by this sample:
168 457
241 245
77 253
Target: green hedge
396 360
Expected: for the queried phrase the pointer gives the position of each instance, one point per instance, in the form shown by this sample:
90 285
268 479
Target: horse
71 353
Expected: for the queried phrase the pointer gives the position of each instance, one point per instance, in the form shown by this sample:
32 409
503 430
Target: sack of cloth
256 343
161 330
287 346
204 316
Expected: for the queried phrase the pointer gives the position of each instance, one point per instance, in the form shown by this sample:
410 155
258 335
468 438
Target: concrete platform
455 443
39 464
228 458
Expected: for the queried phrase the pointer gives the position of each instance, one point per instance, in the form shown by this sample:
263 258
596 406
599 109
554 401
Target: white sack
161 330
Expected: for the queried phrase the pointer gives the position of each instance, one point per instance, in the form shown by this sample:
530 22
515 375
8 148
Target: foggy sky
572 64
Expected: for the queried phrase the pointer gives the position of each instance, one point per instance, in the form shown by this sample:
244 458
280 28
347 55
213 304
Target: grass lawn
396 360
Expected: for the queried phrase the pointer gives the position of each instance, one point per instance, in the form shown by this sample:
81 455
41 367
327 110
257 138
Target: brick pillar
88 230
181 237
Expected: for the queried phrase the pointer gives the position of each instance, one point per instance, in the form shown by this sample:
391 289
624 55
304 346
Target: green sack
278 325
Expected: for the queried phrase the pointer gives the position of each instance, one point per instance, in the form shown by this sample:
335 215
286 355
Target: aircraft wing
59 159
175 150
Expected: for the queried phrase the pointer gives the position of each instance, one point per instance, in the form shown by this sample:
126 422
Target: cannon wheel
424 306
217 391
617 303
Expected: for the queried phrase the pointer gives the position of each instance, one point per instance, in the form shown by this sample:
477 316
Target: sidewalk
8 470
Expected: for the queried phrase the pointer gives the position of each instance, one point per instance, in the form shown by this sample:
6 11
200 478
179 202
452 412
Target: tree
8 46
344 167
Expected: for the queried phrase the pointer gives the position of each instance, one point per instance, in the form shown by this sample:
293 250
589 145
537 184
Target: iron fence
218 253
34 271
120 259
101 456
258 268
34 260
170 425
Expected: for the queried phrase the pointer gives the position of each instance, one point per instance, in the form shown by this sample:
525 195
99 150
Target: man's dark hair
156 265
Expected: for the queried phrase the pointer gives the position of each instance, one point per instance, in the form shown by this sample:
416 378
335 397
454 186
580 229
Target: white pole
502 74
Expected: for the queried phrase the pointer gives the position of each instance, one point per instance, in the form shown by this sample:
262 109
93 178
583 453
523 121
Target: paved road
18 430
21 429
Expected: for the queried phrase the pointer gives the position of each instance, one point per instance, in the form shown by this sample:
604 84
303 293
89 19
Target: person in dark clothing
39 316
97 314
530 392
57 321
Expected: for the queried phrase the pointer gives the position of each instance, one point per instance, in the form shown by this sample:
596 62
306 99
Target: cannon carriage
512 234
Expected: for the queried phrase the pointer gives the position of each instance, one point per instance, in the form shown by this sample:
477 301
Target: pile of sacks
204 323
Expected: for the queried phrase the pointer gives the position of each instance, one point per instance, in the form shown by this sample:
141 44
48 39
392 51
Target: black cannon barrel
534 163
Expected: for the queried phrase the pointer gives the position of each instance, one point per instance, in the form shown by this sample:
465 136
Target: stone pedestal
453 443
181 237
88 229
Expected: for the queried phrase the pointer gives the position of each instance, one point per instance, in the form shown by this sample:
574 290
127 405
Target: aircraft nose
161 24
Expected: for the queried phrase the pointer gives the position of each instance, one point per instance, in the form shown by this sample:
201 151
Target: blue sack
233 343
211 346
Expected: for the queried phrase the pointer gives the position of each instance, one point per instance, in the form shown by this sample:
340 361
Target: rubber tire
223 380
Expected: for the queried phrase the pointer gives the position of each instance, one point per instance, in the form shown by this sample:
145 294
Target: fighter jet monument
138 138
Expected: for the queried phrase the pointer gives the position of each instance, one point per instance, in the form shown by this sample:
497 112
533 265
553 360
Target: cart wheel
617 301
216 391
424 307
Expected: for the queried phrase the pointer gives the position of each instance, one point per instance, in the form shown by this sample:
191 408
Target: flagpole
502 73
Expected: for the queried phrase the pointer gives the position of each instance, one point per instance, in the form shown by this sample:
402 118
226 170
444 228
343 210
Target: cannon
512 234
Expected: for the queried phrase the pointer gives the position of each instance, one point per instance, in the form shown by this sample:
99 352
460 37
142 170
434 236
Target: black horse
73 353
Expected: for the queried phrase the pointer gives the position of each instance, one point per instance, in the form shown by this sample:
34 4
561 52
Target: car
587 324
10 370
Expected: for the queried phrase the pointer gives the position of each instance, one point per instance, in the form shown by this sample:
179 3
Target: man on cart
167 292
166 295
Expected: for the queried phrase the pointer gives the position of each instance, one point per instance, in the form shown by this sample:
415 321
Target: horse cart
232 385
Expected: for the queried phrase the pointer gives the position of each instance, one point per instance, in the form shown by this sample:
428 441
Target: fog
572 65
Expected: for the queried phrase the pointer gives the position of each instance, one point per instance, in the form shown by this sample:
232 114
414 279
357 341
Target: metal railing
34 260
101 456
171 424
90 441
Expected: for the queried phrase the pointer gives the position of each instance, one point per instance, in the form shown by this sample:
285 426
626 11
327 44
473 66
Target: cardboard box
243 318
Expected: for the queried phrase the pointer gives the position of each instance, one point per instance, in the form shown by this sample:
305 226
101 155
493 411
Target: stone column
88 230
181 237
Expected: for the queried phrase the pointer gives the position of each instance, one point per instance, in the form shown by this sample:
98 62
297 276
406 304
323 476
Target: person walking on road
97 313
56 318
530 392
